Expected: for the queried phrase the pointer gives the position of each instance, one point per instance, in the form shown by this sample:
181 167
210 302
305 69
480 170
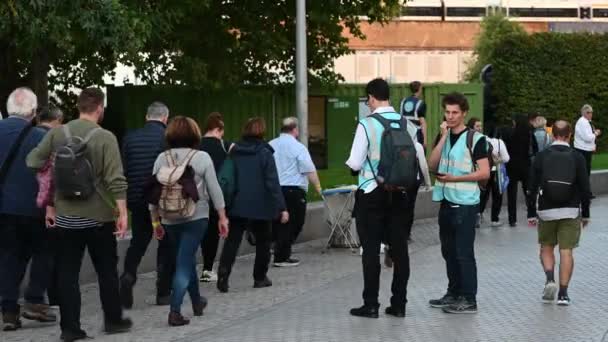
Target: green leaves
553 74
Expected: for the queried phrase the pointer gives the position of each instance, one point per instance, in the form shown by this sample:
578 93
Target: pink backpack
46 188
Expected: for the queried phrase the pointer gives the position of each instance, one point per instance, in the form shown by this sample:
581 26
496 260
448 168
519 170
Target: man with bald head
559 175
21 222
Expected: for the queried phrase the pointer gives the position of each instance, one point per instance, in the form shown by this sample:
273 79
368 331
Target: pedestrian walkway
311 302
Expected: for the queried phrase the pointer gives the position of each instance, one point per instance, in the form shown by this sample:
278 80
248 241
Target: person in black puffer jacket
258 201
139 151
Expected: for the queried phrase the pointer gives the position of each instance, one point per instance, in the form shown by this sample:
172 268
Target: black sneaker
563 300
462 306
513 224
262 283
443 301
393 311
367 311
70 336
127 282
122 326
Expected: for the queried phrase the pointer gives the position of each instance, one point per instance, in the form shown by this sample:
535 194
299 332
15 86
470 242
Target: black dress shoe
71 336
222 283
367 311
395 312
258 284
121 326
163 300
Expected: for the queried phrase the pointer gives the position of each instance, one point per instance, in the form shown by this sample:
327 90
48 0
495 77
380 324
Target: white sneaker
208 277
496 224
549 292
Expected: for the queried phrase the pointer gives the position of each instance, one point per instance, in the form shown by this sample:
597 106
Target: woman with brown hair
257 203
213 144
183 139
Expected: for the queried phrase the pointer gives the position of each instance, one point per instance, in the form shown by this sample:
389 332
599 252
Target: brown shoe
199 307
10 321
177 320
39 312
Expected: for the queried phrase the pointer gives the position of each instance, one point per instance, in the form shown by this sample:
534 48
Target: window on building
366 67
411 11
399 71
466 11
600 12
533 12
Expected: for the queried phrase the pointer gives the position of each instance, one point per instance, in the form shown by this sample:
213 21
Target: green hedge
553 74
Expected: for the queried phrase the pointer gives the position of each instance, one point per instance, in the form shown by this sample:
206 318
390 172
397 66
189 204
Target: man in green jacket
88 222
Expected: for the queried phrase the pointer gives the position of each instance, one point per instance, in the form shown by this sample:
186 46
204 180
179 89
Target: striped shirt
75 222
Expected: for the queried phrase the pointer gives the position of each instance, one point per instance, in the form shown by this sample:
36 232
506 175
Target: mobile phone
437 173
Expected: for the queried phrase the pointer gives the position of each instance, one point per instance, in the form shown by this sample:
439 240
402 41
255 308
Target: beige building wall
447 66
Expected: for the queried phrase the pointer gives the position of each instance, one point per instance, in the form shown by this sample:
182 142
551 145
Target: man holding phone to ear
458 169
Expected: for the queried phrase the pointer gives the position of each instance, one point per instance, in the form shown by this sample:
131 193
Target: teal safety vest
373 130
457 161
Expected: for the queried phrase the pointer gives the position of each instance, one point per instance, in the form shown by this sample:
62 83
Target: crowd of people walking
67 187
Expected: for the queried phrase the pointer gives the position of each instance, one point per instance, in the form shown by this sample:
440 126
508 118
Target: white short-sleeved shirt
293 161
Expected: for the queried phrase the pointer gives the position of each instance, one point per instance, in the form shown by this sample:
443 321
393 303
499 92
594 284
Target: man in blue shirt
21 221
296 169
458 168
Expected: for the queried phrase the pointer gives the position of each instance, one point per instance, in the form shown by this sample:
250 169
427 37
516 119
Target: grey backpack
73 173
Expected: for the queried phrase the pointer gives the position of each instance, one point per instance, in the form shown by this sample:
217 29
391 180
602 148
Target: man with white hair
296 169
585 135
21 222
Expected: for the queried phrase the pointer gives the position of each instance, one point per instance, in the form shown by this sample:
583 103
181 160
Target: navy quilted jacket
139 152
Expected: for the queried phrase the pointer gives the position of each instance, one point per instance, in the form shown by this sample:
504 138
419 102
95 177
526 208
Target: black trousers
382 214
286 234
588 157
101 244
23 239
515 177
211 241
263 235
491 189
141 229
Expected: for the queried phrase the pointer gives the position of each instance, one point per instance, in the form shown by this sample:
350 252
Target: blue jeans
187 237
457 235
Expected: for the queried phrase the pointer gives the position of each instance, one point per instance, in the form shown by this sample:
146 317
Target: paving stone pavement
311 302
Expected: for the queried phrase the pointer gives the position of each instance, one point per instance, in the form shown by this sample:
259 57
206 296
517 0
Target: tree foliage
494 28
553 74
63 44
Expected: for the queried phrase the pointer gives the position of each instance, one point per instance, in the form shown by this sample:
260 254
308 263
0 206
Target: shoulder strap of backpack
66 132
12 153
470 136
170 159
416 108
383 121
90 135
189 157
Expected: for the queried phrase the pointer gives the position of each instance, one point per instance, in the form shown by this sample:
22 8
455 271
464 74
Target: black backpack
490 149
558 175
398 169
73 173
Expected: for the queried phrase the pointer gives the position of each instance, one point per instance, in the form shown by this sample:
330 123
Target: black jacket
259 195
581 193
139 152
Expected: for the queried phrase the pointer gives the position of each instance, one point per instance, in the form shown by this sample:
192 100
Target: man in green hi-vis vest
459 166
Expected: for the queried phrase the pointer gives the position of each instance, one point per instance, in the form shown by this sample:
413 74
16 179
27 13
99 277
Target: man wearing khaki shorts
559 176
